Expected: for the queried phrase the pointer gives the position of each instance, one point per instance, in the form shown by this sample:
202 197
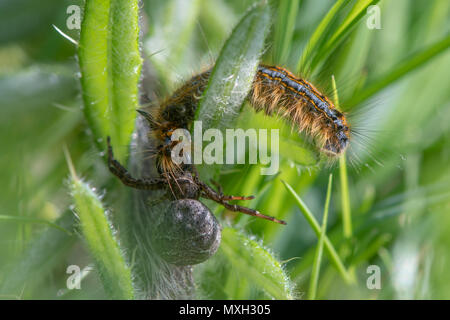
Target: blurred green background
399 186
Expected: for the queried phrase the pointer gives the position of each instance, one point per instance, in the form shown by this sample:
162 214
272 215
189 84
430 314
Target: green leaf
251 261
334 257
403 68
291 145
233 74
318 256
110 66
319 47
99 235
354 16
316 39
284 29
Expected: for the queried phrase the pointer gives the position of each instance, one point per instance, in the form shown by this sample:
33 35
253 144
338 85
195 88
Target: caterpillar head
338 136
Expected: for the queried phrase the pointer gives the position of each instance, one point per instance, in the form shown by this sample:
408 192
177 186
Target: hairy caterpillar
274 90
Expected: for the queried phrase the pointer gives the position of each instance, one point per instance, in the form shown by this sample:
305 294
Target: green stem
334 257
345 194
318 256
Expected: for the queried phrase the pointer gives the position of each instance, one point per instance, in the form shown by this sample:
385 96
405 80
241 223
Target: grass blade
324 47
318 256
284 29
358 11
317 37
334 257
110 65
403 68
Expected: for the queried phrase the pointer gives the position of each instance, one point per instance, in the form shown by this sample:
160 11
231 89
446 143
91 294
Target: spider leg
251 212
227 197
210 193
217 185
119 171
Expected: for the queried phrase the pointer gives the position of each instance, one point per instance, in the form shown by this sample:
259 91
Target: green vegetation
388 205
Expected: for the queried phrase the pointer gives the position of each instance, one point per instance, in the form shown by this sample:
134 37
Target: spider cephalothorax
186 185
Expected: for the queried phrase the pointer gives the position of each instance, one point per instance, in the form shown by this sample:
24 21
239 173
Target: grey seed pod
186 233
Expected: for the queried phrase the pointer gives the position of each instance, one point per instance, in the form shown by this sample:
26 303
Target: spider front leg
228 198
119 171
218 197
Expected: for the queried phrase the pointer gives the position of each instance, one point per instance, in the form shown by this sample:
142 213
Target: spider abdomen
191 233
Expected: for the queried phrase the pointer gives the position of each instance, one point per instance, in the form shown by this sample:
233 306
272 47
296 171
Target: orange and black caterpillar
274 90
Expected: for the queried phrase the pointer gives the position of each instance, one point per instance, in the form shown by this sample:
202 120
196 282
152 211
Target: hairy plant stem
155 278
